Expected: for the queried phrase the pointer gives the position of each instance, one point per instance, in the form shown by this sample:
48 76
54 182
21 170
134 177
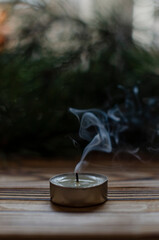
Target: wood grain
131 212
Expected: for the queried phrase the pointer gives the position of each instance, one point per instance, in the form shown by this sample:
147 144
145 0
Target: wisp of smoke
94 130
113 129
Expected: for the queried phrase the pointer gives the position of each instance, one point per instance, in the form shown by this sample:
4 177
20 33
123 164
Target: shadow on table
59 208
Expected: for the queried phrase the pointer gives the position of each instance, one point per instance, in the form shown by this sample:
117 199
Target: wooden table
131 212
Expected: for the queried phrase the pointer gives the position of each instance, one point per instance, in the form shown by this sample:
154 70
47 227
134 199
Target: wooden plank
132 209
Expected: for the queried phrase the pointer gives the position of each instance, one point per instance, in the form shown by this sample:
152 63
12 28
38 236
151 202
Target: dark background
83 55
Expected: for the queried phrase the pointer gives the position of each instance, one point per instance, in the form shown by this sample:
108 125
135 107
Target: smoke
116 130
93 128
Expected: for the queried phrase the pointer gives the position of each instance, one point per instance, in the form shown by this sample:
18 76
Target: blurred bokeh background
56 54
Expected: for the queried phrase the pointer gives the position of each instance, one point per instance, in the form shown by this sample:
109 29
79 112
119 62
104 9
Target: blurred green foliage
38 85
